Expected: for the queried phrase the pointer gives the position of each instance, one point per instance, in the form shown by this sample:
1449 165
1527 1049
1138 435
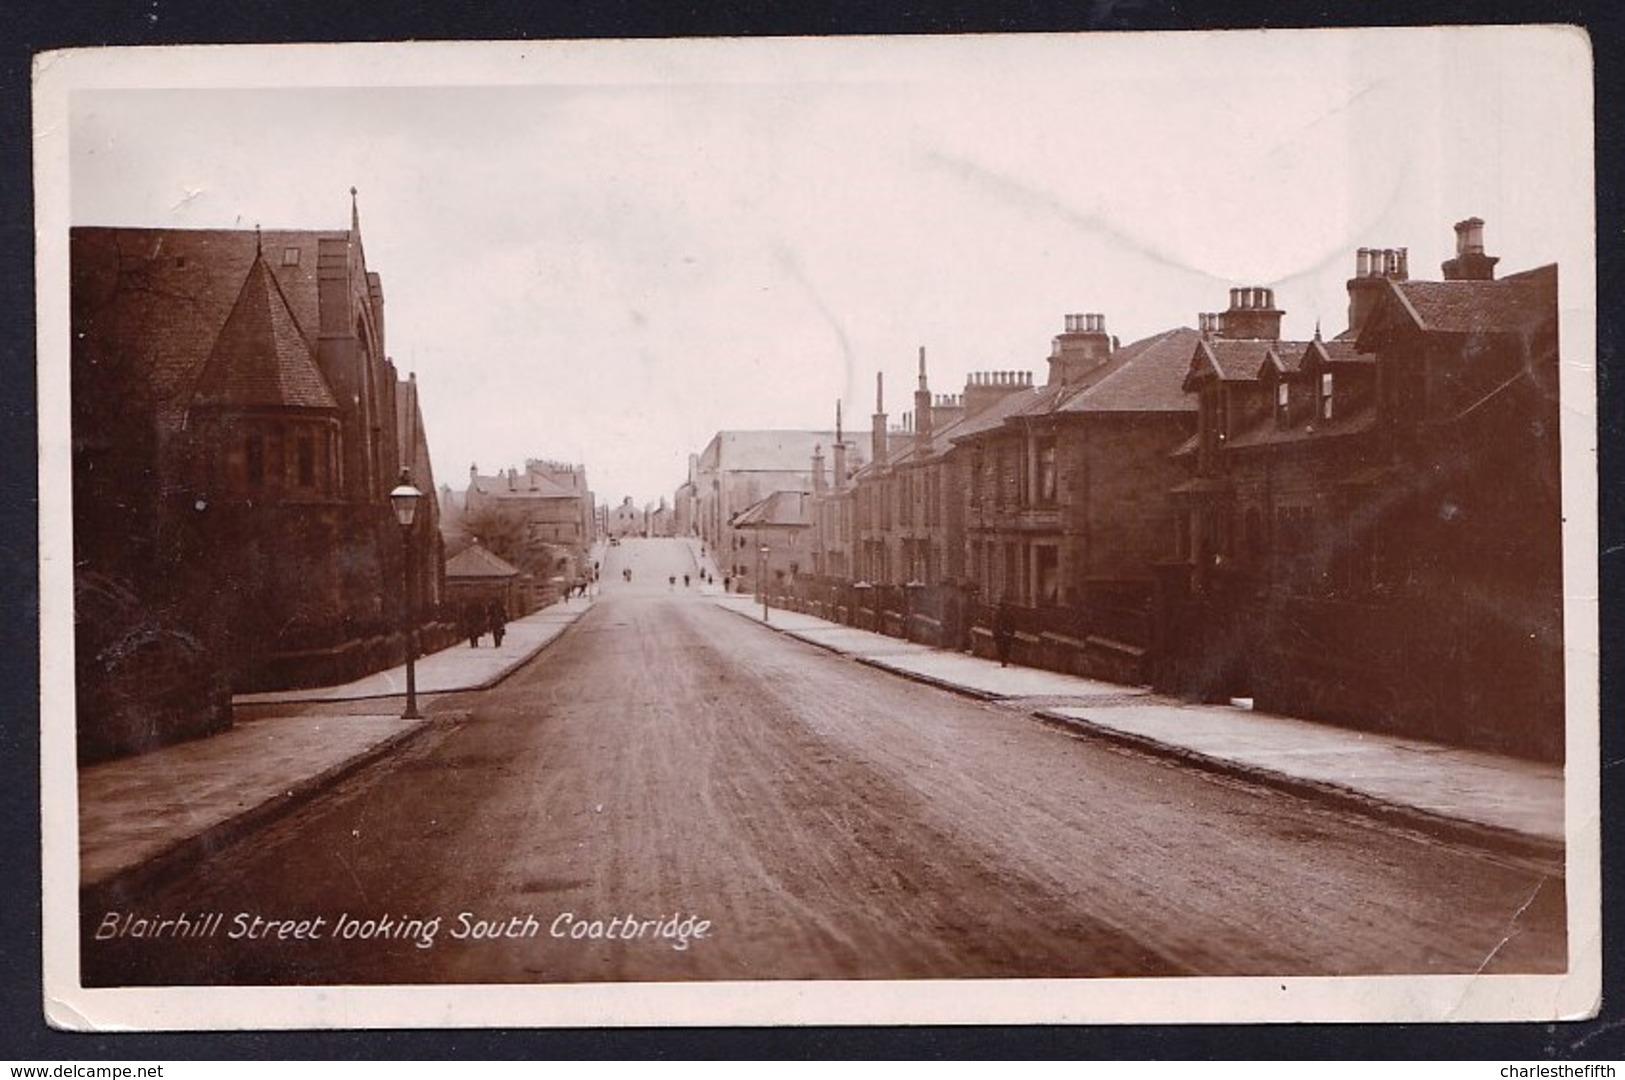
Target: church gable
261 358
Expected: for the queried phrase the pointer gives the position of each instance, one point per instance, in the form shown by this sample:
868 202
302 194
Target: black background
31 26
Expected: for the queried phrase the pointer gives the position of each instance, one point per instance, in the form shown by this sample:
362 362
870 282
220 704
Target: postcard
1077 528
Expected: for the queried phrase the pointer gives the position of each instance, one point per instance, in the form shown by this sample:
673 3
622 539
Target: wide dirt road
668 757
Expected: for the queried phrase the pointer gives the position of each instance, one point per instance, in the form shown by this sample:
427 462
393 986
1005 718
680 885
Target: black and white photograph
965 529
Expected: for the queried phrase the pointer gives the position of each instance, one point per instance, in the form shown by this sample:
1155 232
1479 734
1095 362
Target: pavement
143 817
1507 803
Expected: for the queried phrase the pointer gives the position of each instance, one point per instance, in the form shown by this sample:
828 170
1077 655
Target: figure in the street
685 581
1004 631
471 626
953 617
498 622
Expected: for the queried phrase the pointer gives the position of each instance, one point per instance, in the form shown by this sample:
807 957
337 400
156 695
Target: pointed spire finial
259 247
1317 329
355 212
838 420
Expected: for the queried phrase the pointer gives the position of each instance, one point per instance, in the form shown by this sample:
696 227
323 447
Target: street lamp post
405 499
761 576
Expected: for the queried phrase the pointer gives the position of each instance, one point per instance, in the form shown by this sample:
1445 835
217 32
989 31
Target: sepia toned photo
1075 528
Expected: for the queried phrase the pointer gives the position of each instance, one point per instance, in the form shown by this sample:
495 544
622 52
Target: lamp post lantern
405 500
762 577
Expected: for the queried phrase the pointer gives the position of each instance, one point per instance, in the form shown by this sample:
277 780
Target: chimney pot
1470 236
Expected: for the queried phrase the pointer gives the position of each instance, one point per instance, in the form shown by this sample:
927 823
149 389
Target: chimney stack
1079 349
984 388
1470 263
1252 315
878 434
1373 267
840 450
922 411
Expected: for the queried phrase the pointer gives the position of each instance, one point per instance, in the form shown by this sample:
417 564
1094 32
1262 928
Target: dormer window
1326 396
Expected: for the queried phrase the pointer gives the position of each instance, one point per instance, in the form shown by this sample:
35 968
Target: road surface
674 792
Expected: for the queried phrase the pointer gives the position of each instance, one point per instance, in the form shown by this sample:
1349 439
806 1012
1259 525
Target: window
290 256
1048 564
255 453
1047 481
305 456
1282 397
1326 396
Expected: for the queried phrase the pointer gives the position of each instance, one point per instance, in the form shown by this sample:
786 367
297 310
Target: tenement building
237 427
1067 503
540 519
1370 525
1049 500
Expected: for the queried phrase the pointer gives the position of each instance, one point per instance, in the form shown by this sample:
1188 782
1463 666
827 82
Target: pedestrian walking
1004 631
498 622
685 581
471 625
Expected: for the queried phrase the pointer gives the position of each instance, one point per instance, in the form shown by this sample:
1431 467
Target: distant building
550 500
685 507
736 470
778 531
540 520
660 519
628 519
476 579
237 426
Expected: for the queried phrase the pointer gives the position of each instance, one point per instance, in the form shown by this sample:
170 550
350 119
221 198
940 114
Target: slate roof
995 414
476 562
1337 351
527 485
1149 378
775 451
1240 359
414 443
1269 433
1044 399
261 357
782 509
160 297
1511 305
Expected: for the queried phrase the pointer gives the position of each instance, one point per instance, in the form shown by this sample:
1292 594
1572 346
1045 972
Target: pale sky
606 251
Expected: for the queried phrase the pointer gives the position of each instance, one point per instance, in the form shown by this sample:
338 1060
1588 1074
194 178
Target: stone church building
237 427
